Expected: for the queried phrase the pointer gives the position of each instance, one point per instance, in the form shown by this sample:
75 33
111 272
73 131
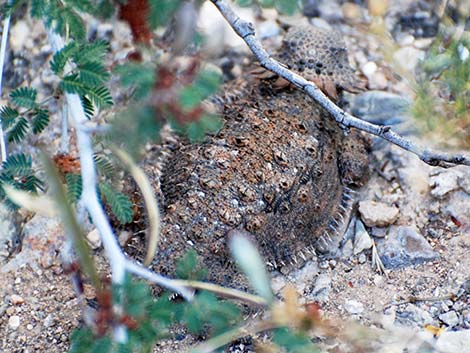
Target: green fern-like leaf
17 171
72 84
18 131
62 56
8 116
141 76
161 12
74 187
91 52
40 120
68 20
100 96
24 97
38 8
93 73
81 5
17 164
87 107
120 203
104 165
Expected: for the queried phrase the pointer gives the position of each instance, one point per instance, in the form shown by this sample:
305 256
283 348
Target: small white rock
362 240
14 322
405 40
19 34
94 239
444 182
408 57
377 214
450 318
453 341
369 68
353 307
15 299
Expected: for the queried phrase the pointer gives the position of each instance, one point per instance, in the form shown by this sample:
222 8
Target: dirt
394 308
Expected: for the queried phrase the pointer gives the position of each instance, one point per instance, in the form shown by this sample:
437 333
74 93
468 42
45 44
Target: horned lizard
279 170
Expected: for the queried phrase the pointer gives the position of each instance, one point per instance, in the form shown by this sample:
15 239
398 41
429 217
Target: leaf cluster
120 205
88 76
18 172
288 7
23 115
442 103
152 317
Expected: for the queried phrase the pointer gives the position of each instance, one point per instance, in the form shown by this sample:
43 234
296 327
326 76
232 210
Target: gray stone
408 57
453 341
14 322
377 214
405 246
382 108
353 307
444 181
362 240
9 237
43 239
322 287
268 29
450 318
458 207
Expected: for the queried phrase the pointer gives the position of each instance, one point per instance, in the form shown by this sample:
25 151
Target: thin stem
225 338
223 291
3 48
118 261
246 31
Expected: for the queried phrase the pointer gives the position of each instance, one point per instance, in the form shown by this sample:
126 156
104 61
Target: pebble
322 287
268 29
404 39
377 214
94 239
353 307
377 7
404 246
450 318
352 13
14 322
458 207
383 108
362 239
369 68
43 239
453 341
444 181
362 259
16 299
19 34
378 81
408 57
48 321
423 43
415 177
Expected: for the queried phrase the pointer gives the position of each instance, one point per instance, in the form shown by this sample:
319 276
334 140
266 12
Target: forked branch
246 31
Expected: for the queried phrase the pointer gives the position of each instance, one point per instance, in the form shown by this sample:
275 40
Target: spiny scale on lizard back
320 55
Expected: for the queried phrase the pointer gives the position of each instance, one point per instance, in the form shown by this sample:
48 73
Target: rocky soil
415 217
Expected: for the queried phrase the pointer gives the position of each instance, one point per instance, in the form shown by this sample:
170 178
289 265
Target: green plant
442 102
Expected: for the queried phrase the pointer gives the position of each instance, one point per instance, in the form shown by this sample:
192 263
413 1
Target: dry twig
246 31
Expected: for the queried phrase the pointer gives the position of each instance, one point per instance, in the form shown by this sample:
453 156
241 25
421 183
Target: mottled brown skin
274 171
320 55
